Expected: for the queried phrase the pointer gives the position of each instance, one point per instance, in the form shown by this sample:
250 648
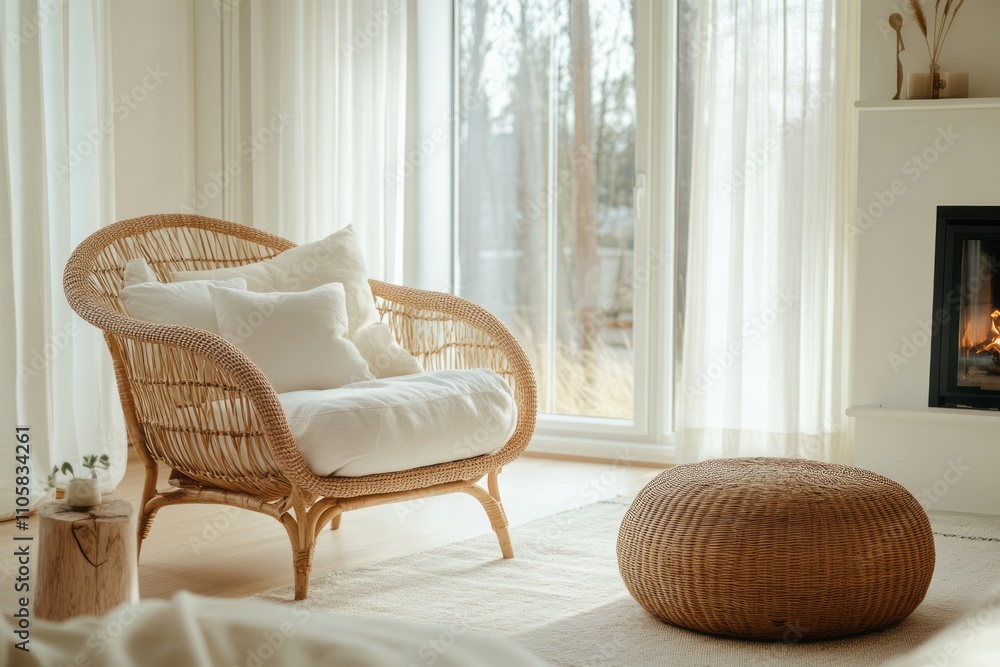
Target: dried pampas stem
937 4
939 34
921 19
918 15
947 31
943 21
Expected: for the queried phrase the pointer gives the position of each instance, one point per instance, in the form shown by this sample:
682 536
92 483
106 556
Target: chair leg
142 525
335 522
503 535
494 484
145 519
302 533
302 561
498 519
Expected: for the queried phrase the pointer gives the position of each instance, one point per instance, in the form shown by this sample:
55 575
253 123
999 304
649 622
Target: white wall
895 253
154 128
912 161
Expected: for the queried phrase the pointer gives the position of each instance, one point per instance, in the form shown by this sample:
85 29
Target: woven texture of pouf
776 549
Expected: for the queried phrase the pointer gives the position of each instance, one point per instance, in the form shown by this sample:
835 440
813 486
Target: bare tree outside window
546 171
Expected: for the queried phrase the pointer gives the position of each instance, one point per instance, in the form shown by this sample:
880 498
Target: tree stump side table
87 560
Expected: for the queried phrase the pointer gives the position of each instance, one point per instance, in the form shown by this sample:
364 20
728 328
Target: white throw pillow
137 271
187 304
298 340
335 259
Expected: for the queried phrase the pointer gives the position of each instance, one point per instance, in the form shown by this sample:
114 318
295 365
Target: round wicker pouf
776 549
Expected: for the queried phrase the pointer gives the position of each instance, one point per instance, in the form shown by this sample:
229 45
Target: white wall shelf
929 105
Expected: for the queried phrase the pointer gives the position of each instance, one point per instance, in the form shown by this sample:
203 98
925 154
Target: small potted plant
85 491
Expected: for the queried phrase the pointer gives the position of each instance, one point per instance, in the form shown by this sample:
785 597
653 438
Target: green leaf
105 459
67 469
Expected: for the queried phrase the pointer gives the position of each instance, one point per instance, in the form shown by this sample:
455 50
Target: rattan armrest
447 331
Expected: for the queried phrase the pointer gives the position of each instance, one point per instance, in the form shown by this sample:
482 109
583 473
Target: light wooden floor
226 552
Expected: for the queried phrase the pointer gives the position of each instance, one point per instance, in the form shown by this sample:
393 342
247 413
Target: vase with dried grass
943 21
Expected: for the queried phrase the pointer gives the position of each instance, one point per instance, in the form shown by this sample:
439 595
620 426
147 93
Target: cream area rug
561 597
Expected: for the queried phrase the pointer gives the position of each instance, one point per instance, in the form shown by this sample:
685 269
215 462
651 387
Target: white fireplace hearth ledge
884 412
949 458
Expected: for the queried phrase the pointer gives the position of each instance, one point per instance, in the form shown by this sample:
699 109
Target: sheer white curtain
766 325
56 187
314 97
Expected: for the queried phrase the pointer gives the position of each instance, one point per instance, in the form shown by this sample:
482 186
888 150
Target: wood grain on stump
86 560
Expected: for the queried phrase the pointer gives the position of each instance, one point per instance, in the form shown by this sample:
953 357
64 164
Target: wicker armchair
245 456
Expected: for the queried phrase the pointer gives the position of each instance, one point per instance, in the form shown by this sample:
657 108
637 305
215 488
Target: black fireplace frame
956 224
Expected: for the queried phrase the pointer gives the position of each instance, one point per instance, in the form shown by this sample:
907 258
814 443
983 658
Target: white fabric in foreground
296 339
196 631
401 423
335 259
183 304
972 641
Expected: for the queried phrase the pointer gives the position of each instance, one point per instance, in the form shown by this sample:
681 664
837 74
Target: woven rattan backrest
174 248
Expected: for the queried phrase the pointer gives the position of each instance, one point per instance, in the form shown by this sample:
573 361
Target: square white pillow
297 339
335 259
187 304
138 271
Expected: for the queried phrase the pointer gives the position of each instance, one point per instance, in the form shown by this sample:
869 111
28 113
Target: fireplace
965 338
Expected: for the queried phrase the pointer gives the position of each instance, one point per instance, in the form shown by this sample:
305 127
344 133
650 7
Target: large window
545 190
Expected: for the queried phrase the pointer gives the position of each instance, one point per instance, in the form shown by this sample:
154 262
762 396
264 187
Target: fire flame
992 344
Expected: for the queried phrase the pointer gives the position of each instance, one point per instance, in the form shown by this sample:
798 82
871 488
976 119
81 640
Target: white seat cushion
402 422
